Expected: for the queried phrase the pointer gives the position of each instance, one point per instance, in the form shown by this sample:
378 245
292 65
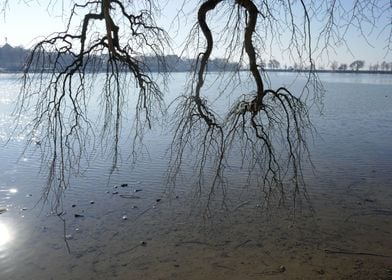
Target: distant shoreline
12 60
329 71
5 71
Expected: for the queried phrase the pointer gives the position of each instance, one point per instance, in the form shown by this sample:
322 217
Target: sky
22 24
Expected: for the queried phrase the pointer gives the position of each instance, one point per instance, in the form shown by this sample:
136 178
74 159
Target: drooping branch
270 124
257 124
62 68
196 123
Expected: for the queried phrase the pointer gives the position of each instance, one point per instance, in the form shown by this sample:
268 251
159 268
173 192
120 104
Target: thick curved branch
111 28
250 50
201 17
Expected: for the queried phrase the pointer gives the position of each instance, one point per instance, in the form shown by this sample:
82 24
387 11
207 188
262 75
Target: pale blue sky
22 24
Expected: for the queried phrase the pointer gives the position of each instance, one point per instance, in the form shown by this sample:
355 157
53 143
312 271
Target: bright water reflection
5 236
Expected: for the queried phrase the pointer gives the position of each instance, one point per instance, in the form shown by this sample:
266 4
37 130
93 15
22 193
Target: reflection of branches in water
62 68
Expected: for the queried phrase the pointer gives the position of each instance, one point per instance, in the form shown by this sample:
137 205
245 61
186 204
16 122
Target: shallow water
341 232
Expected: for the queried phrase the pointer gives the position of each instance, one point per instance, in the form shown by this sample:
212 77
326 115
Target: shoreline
4 71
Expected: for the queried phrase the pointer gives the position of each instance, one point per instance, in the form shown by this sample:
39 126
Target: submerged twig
355 253
375 212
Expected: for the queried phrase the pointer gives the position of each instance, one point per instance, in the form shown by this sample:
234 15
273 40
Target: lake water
342 232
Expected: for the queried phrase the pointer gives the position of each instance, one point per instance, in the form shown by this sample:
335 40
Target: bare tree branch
269 125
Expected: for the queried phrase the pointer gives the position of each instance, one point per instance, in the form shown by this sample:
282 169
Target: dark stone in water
124 185
78 216
321 272
158 199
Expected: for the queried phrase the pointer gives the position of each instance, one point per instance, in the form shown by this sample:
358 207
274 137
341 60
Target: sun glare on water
5 235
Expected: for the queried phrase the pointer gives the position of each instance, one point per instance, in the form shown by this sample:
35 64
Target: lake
144 230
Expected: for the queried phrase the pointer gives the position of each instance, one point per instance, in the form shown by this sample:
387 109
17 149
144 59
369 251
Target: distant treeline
13 59
348 71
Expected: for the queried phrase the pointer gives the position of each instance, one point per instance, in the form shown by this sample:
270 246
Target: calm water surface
343 232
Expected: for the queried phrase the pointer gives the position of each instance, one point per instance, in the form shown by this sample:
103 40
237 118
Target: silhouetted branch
61 69
268 125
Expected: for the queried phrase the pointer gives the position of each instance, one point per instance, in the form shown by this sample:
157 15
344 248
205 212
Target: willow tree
268 125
